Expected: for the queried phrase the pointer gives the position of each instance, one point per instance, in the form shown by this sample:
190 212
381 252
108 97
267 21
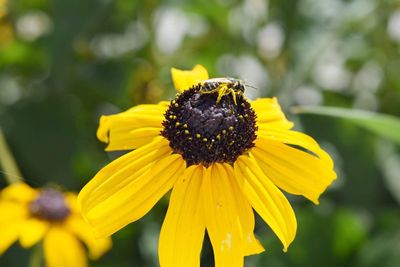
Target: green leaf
386 126
349 230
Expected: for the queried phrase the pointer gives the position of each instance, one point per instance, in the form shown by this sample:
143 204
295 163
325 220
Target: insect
224 86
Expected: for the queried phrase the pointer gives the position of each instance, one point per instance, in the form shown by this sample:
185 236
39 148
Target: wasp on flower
222 86
222 155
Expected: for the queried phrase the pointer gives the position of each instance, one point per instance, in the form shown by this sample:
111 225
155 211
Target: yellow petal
298 139
71 200
12 211
32 231
97 246
269 114
19 192
182 232
293 170
9 233
136 198
62 249
221 217
266 199
246 216
133 128
185 79
116 175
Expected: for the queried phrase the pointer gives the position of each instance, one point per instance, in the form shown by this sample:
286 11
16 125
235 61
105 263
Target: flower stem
7 163
36 259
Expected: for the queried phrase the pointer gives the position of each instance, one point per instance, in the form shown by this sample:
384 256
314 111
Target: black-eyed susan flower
30 216
221 154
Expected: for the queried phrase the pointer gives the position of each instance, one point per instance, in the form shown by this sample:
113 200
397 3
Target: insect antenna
250 86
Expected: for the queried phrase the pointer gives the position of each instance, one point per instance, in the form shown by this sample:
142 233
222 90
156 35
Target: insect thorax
219 83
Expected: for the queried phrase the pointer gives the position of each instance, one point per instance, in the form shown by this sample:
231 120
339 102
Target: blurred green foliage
380 124
64 63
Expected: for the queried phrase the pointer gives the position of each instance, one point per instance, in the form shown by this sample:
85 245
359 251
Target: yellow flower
220 157
33 215
3 8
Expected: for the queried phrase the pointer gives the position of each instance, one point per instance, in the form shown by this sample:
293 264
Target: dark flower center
204 131
50 205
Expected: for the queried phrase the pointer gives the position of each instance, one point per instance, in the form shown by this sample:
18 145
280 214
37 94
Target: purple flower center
50 206
204 131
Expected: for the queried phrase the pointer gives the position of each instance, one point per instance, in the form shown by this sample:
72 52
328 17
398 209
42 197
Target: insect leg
233 93
210 91
221 92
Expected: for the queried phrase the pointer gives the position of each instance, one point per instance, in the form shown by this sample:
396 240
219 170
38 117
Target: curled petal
298 139
269 114
266 199
133 128
185 79
295 171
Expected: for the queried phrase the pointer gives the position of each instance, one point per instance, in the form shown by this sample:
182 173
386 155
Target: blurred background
64 63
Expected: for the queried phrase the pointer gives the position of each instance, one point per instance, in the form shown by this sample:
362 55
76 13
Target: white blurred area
270 39
366 83
393 26
321 10
113 45
33 25
10 91
337 11
247 68
368 78
244 19
330 72
172 25
308 95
